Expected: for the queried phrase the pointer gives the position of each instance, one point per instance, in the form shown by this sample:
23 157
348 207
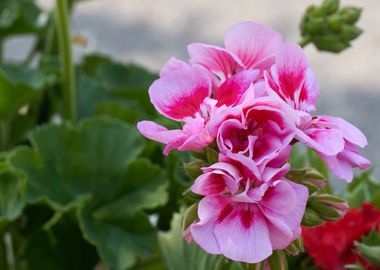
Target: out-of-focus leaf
12 192
113 221
67 162
180 255
61 247
110 81
363 188
27 77
19 17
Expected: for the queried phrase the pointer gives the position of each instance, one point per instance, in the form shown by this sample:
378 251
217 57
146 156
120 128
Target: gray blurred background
148 32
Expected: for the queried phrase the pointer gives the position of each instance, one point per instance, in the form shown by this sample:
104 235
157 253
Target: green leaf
12 193
116 225
27 77
364 187
18 17
59 248
111 81
180 255
66 162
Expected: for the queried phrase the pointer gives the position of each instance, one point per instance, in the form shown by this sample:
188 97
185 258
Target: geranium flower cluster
252 99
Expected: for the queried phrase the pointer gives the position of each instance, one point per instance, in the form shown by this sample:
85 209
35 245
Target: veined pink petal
203 231
341 165
231 91
242 234
280 198
327 141
217 60
350 132
158 133
292 80
281 223
180 93
254 44
173 64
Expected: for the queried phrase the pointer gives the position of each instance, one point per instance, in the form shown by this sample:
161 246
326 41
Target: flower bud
334 202
278 261
335 22
189 216
349 32
295 247
193 169
330 6
311 218
350 15
328 207
330 42
212 155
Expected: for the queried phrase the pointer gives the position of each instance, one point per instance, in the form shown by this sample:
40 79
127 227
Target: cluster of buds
330 27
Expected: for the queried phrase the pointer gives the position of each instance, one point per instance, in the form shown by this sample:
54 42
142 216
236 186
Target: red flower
331 245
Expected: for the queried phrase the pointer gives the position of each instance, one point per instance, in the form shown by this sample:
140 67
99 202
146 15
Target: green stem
4 129
3 252
1 50
304 41
68 71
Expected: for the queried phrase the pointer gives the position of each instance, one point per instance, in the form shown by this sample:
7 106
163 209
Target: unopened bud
295 247
327 211
334 202
311 218
335 22
350 15
349 32
330 42
330 6
193 169
212 155
278 261
189 216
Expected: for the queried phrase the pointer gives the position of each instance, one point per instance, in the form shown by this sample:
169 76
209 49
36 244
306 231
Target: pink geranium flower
266 128
248 212
185 94
334 139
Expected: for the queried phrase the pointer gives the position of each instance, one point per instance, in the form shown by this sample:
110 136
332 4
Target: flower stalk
68 71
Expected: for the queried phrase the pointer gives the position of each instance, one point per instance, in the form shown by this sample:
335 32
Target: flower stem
68 71
304 41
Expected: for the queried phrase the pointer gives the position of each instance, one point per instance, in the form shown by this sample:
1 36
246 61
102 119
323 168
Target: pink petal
341 165
217 60
292 80
350 132
280 198
327 141
280 224
158 133
203 231
254 44
232 90
180 93
212 183
171 65
243 235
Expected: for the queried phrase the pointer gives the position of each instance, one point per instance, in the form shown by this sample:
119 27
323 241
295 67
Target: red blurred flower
331 245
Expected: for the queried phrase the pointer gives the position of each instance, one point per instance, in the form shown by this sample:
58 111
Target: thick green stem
3 251
68 71
4 135
304 41
1 50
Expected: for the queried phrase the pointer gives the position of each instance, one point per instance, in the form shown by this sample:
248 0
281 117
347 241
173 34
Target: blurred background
149 32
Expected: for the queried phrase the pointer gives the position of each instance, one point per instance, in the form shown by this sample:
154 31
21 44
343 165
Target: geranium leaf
115 224
66 162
